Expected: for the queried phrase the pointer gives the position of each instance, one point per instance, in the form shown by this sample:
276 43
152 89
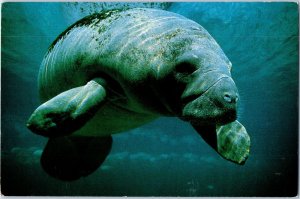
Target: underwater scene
165 156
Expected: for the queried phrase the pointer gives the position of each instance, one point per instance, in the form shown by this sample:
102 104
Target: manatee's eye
185 68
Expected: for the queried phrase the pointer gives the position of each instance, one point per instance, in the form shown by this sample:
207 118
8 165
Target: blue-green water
165 157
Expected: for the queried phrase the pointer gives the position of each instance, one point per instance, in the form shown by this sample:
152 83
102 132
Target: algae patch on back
86 21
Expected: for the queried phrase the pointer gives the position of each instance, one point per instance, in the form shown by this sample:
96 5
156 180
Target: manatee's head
208 93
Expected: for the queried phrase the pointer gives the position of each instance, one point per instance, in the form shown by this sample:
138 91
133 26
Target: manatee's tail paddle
70 157
231 141
68 111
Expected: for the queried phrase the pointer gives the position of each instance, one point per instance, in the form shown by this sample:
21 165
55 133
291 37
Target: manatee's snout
216 105
224 94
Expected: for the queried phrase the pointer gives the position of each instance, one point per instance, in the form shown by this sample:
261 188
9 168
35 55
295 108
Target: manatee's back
70 58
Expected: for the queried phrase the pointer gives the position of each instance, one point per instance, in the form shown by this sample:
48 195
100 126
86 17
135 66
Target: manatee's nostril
227 98
230 97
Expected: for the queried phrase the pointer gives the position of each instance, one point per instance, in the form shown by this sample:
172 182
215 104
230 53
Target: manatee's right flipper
68 111
231 140
71 157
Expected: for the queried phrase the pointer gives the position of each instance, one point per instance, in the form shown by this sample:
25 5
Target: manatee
119 69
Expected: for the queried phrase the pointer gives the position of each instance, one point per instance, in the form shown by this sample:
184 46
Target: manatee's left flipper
68 111
70 157
231 141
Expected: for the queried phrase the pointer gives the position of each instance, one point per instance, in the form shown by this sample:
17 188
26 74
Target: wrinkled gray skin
145 63
139 53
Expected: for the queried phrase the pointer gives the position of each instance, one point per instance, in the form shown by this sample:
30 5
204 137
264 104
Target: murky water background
165 157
